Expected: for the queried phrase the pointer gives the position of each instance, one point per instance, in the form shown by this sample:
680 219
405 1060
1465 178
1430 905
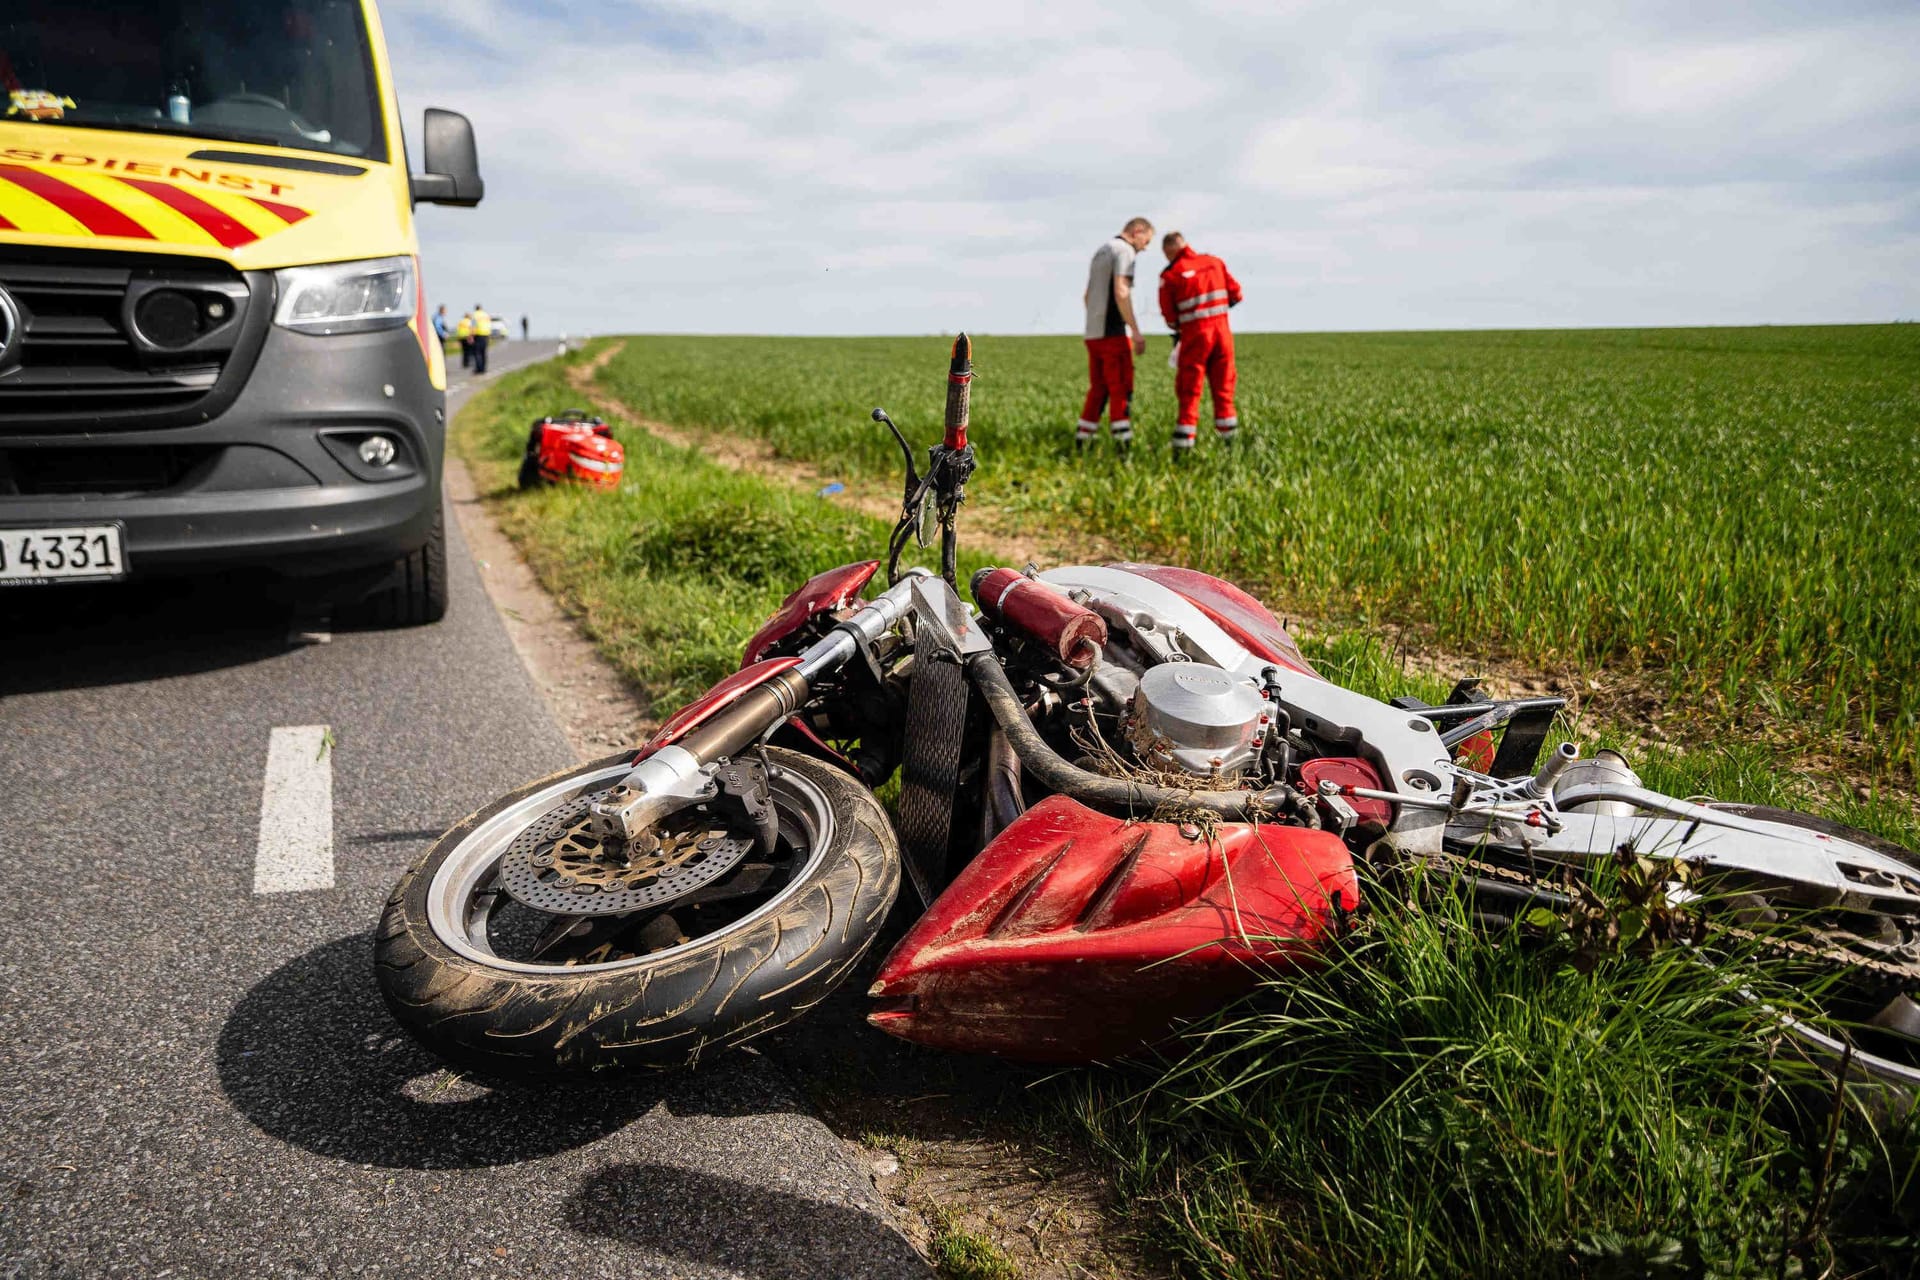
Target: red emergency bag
572 446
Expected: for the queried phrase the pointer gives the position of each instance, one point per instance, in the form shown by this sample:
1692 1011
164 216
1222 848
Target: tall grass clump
1438 1101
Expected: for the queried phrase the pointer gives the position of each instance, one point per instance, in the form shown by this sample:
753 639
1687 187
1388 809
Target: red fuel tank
1077 936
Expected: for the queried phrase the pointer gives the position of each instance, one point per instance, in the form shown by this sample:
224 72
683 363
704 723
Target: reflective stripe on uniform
1122 429
1085 428
1226 426
1204 312
1187 304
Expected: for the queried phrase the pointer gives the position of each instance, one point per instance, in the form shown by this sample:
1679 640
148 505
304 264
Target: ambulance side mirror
451 160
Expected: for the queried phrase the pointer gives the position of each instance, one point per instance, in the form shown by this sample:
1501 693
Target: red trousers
1109 378
1206 351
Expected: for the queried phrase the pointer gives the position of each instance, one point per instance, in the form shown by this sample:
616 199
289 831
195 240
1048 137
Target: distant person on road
464 331
1195 291
526 329
1113 336
442 327
482 334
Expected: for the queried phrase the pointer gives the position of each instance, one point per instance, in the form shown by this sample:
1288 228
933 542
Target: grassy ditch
1433 1103
1436 1103
1731 512
671 574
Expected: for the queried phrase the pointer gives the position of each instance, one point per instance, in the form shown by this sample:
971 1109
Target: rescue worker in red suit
1113 336
1195 291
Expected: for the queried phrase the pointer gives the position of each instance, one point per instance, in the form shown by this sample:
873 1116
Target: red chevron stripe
219 225
91 212
5 225
285 212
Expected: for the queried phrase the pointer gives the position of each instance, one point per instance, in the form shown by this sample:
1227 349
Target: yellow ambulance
215 350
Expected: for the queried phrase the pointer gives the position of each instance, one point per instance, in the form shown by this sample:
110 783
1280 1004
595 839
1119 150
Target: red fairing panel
714 700
822 593
1231 609
1077 936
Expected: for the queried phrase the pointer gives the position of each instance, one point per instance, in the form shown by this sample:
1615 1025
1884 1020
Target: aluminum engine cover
1189 717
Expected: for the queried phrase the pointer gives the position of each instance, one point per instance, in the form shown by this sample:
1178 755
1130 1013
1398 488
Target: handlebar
959 392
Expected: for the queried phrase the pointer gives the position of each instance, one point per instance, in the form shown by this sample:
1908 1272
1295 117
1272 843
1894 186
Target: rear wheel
1872 983
1856 964
723 941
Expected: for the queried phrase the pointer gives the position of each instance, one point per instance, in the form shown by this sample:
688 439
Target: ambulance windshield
284 73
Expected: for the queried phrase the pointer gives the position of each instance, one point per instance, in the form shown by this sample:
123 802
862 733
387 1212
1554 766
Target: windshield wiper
183 131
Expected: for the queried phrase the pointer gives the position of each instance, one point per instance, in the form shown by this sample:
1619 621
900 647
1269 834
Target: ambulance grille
80 360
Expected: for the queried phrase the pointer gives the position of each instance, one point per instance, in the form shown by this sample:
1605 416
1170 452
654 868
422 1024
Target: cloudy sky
829 167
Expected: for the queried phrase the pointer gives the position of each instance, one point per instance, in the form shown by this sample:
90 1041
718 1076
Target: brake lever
906 451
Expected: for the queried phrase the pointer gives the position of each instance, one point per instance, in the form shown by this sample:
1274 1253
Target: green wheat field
1733 512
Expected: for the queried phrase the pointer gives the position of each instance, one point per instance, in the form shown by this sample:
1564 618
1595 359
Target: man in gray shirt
1113 336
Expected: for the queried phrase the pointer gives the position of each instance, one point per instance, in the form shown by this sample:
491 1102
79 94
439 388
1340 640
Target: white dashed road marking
296 812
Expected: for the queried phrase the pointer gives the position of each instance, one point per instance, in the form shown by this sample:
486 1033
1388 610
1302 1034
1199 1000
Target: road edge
598 712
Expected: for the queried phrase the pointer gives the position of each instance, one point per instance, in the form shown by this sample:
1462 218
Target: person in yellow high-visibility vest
482 334
464 332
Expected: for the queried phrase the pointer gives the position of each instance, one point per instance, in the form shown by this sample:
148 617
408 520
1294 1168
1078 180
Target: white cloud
859 167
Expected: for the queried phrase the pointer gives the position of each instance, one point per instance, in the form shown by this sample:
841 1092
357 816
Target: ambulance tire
415 592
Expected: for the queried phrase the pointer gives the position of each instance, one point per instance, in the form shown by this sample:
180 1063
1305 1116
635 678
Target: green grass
1440 1103
1433 1103
1735 511
670 574
960 1254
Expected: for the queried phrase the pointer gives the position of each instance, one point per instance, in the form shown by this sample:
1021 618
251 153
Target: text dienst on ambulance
214 343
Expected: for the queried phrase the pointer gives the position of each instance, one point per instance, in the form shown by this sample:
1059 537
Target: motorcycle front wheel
497 986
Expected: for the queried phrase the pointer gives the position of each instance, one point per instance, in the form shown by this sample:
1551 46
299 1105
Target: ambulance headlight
346 297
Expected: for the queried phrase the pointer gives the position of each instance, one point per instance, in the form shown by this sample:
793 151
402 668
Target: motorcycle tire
530 477
667 1008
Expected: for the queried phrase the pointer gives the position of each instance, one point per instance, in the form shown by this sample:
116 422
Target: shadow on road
312 1057
719 1222
86 636
865 1081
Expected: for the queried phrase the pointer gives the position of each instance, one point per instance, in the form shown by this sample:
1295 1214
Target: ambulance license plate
70 553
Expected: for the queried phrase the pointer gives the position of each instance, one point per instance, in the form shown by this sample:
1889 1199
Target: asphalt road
197 1079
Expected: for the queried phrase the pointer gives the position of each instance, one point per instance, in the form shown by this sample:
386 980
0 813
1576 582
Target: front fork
689 771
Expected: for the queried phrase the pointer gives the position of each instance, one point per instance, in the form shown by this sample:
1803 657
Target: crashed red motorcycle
1125 798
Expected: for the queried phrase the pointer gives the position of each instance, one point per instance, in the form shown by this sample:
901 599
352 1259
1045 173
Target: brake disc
558 865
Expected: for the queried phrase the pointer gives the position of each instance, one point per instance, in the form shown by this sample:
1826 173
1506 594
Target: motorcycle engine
1188 717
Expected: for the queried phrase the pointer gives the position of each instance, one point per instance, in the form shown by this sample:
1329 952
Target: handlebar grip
959 392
